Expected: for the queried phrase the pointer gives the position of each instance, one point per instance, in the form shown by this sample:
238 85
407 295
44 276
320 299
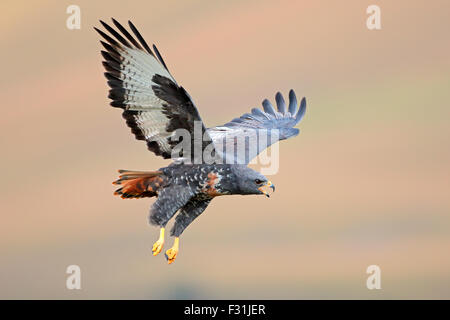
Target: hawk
211 161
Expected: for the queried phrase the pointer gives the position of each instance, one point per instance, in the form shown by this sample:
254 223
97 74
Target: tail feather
138 184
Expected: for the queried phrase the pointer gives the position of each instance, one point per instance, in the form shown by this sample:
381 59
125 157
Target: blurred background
366 181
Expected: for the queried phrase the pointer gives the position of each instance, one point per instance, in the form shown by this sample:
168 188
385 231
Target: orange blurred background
366 181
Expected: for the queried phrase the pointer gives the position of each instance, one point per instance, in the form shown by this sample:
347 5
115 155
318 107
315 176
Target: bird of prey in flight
211 162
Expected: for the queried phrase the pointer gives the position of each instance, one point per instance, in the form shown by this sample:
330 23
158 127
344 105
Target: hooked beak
268 184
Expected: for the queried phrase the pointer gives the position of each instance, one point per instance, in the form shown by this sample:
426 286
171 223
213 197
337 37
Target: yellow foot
158 245
171 254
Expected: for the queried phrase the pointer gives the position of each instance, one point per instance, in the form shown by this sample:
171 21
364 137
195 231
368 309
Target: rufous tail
138 184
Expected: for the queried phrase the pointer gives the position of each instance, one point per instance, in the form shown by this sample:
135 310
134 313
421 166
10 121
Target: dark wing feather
155 106
188 213
259 129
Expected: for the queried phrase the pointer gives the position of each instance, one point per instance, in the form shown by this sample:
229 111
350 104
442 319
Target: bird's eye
257 181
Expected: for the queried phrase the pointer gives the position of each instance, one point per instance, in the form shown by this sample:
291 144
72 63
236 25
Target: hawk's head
249 181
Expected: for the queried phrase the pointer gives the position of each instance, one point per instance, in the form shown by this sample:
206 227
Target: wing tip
281 104
301 111
268 108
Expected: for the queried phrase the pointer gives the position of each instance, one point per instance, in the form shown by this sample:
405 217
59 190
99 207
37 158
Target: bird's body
178 186
207 162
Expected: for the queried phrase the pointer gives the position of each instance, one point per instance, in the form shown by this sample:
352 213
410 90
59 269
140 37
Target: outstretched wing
243 138
155 106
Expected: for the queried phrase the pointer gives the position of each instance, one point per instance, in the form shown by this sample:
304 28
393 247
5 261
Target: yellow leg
171 254
158 245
